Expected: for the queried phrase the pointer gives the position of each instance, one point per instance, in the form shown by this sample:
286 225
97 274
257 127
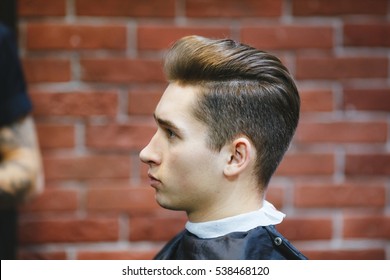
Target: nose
150 154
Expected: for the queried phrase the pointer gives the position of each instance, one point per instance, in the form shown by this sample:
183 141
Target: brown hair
244 91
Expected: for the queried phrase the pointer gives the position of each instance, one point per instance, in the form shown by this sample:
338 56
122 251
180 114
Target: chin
170 206
167 202
162 202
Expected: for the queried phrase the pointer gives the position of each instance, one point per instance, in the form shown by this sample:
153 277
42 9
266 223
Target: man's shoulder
169 248
282 245
263 242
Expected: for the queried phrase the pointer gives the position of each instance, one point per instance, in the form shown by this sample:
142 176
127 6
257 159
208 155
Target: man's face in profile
183 170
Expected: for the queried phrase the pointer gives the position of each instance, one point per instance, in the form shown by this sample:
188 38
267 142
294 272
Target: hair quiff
243 91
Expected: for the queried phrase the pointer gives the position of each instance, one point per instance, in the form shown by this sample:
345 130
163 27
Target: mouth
153 181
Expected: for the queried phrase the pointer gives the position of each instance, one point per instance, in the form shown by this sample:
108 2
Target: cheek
195 167
184 162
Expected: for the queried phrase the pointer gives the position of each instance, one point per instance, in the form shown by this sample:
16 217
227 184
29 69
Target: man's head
242 92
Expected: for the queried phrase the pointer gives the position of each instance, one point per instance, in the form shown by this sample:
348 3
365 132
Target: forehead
176 107
176 101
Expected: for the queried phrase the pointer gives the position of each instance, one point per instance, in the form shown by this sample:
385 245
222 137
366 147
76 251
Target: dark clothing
8 233
14 104
261 243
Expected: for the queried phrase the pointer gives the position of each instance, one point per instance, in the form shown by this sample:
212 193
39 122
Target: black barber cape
260 243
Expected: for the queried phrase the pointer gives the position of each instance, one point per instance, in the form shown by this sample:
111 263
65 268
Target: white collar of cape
265 216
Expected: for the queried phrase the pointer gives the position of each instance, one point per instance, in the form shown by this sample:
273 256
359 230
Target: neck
266 216
236 201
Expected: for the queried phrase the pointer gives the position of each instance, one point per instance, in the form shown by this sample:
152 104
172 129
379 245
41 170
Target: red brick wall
94 74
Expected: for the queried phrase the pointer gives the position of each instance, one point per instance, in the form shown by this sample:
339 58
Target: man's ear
240 153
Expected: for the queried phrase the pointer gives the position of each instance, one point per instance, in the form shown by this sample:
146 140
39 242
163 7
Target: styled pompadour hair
242 91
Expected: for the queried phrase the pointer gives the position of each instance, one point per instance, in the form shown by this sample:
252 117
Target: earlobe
240 155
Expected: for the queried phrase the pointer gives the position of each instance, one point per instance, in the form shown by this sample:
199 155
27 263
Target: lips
153 181
151 177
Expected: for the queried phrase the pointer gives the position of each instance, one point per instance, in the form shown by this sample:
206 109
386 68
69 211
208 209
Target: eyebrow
165 123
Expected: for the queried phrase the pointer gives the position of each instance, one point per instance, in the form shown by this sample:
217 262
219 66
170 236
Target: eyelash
170 133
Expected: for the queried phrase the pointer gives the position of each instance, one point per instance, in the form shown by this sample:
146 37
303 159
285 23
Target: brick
157 37
122 199
122 70
368 164
53 199
55 136
144 172
76 104
337 8
38 255
117 255
275 195
377 99
368 226
38 70
125 8
155 228
346 254
108 182
133 136
288 37
345 195
28 8
306 165
233 9
86 167
143 102
316 100
88 87
342 132
339 68
306 228
367 34
68 230
47 36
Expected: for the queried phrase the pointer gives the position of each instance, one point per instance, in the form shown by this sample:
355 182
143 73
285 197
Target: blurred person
224 124
21 175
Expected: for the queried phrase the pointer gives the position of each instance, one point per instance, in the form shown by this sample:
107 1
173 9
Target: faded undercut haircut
243 91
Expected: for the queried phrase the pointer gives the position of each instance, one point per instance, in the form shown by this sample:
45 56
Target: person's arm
21 173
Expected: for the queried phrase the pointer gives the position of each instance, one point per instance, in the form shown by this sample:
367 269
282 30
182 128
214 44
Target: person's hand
20 162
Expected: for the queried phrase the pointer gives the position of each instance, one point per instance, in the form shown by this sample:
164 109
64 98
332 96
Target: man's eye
170 133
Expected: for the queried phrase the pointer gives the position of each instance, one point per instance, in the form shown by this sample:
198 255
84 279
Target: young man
224 123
